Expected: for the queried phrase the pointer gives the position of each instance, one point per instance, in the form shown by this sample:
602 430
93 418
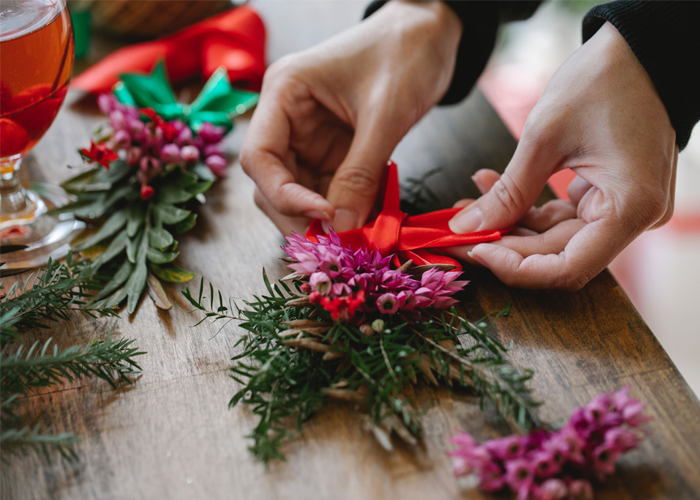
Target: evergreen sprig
294 358
52 294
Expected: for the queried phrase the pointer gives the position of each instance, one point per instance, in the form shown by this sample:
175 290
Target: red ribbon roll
234 39
407 237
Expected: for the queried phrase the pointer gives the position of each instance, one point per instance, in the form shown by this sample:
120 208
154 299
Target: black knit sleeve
664 36
480 21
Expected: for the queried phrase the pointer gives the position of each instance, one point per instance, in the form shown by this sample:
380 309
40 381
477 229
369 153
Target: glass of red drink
36 62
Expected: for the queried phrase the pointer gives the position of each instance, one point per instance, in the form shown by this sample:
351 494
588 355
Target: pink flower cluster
557 465
152 145
336 274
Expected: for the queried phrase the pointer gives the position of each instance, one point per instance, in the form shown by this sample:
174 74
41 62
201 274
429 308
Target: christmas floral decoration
557 464
345 325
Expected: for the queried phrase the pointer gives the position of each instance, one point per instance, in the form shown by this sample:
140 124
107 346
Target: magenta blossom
556 464
347 272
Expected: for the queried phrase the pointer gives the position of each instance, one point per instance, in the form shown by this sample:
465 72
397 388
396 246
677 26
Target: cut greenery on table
346 326
50 295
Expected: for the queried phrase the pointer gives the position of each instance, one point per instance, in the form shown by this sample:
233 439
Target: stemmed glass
36 62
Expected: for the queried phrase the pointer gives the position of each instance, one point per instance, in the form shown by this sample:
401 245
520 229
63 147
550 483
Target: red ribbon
407 237
234 39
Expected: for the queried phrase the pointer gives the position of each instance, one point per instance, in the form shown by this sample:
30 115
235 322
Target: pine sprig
18 441
50 295
294 358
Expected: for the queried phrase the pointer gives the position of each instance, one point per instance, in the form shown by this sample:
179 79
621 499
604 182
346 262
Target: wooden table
172 436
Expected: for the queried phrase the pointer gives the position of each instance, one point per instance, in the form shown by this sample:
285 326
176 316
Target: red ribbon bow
407 237
234 39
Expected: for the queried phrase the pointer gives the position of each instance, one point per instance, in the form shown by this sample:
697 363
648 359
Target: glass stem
12 195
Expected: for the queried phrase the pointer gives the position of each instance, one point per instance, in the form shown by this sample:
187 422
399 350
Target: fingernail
467 222
344 220
317 214
479 185
476 259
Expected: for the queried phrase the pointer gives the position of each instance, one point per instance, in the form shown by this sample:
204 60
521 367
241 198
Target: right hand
330 117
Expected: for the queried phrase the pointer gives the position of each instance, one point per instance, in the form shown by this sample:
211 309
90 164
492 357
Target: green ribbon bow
218 103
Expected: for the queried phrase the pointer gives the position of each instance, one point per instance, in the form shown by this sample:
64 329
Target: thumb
512 195
354 186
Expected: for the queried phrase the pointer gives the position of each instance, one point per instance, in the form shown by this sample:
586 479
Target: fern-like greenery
52 294
294 358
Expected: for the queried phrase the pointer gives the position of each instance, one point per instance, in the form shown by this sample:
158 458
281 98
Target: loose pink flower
170 153
553 489
580 489
217 165
189 154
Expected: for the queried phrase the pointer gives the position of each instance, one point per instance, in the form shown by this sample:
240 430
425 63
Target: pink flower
633 416
621 439
544 464
216 164
491 477
121 139
598 408
552 489
170 153
189 154
604 458
580 489
107 102
133 155
387 303
506 448
519 472
320 282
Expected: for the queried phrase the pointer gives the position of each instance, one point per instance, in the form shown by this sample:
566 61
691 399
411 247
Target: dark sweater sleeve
664 37
480 21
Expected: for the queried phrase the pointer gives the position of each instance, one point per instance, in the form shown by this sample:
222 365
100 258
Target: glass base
29 237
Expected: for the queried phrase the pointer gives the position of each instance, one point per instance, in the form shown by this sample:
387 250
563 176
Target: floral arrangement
557 464
346 326
147 177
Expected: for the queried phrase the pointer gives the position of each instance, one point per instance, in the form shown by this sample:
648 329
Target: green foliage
287 371
52 294
133 230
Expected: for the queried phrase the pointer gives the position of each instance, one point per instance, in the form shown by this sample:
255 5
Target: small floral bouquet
346 326
148 175
560 464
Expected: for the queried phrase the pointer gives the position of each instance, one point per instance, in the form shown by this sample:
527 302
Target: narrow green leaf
171 273
137 280
111 226
184 179
160 238
135 219
203 172
173 194
200 187
170 214
117 280
185 225
159 257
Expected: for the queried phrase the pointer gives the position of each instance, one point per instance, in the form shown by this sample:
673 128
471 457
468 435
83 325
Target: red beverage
36 62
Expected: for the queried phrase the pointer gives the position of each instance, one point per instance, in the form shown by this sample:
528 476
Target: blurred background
660 271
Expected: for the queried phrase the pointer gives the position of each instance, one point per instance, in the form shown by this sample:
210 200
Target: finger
285 224
671 193
513 194
547 216
265 147
588 252
463 203
578 187
527 242
354 186
484 179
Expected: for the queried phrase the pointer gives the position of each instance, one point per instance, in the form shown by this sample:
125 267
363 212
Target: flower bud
122 139
217 165
146 192
378 325
189 154
367 330
133 155
170 153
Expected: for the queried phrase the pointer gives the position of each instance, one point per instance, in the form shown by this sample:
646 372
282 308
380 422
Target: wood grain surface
172 436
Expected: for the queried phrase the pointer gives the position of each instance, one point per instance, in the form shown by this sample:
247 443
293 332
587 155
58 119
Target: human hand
330 117
601 116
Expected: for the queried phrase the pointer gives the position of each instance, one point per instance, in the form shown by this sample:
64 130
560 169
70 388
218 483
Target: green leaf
100 206
170 214
116 172
170 193
115 248
111 226
137 281
185 225
200 187
203 172
135 219
171 273
117 280
184 179
160 238
132 247
159 257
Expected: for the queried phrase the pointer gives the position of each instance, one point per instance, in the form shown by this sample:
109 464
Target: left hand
601 116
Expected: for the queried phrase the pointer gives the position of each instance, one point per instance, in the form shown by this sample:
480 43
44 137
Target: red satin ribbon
234 39
407 237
